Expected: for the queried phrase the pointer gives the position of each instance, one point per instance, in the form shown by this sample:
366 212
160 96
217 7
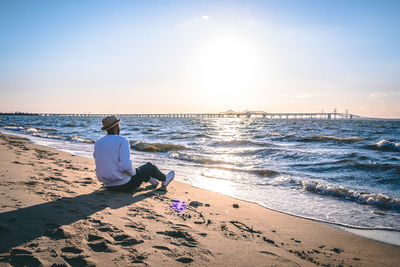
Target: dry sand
53 212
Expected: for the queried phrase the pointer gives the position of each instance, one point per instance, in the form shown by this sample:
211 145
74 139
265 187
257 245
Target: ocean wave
81 139
179 137
32 130
377 167
269 135
333 163
379 200
36 132
196 158
69 125
260 136
186 135
236 142
155 147
201 136
320 138
287 136
14 128
259 172
263 172
385 145
220 164
149 130
258 151
349 165
41 132
46 129
48 135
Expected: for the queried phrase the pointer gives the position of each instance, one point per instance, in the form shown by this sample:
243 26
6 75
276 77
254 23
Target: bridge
250 114
228 114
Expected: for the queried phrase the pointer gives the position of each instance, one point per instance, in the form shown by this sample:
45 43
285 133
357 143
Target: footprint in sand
185 260
138 226
104 227
98 243
268 253
179 225
72 250
100 247
129 242
109 229
138 258
120 237
162 248
78 261
24 260
21 257
184 238
94 237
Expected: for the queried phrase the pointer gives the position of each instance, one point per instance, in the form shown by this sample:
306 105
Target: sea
343 172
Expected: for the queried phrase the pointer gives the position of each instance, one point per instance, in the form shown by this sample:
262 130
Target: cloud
378 95
205 17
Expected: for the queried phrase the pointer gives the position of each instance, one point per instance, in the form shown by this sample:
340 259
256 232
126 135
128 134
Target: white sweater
112 157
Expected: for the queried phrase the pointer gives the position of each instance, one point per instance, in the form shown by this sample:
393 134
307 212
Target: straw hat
109 122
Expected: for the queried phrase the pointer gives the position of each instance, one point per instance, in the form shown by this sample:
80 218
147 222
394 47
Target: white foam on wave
376 199
387 145
81 139
14 128
74 148
32 130
41 132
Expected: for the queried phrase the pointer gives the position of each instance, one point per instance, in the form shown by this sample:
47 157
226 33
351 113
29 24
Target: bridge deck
218 115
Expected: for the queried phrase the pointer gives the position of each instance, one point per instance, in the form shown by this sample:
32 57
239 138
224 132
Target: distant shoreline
282 116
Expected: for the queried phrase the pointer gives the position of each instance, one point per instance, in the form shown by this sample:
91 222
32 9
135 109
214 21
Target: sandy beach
53 212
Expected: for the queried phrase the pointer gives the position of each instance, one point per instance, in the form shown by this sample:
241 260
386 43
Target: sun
225 66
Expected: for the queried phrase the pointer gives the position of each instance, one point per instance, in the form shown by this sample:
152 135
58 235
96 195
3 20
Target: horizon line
229 112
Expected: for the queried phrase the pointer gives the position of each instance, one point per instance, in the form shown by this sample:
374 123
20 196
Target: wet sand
53 211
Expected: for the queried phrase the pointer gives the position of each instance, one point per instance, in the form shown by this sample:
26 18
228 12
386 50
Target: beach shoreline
76 225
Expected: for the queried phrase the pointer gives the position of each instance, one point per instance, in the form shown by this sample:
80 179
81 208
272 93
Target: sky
200 56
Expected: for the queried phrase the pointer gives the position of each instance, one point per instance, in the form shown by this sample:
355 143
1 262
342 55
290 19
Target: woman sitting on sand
113 164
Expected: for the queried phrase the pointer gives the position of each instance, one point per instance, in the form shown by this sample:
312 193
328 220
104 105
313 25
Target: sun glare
225 66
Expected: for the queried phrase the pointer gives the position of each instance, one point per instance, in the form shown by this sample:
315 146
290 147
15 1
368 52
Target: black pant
143 174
